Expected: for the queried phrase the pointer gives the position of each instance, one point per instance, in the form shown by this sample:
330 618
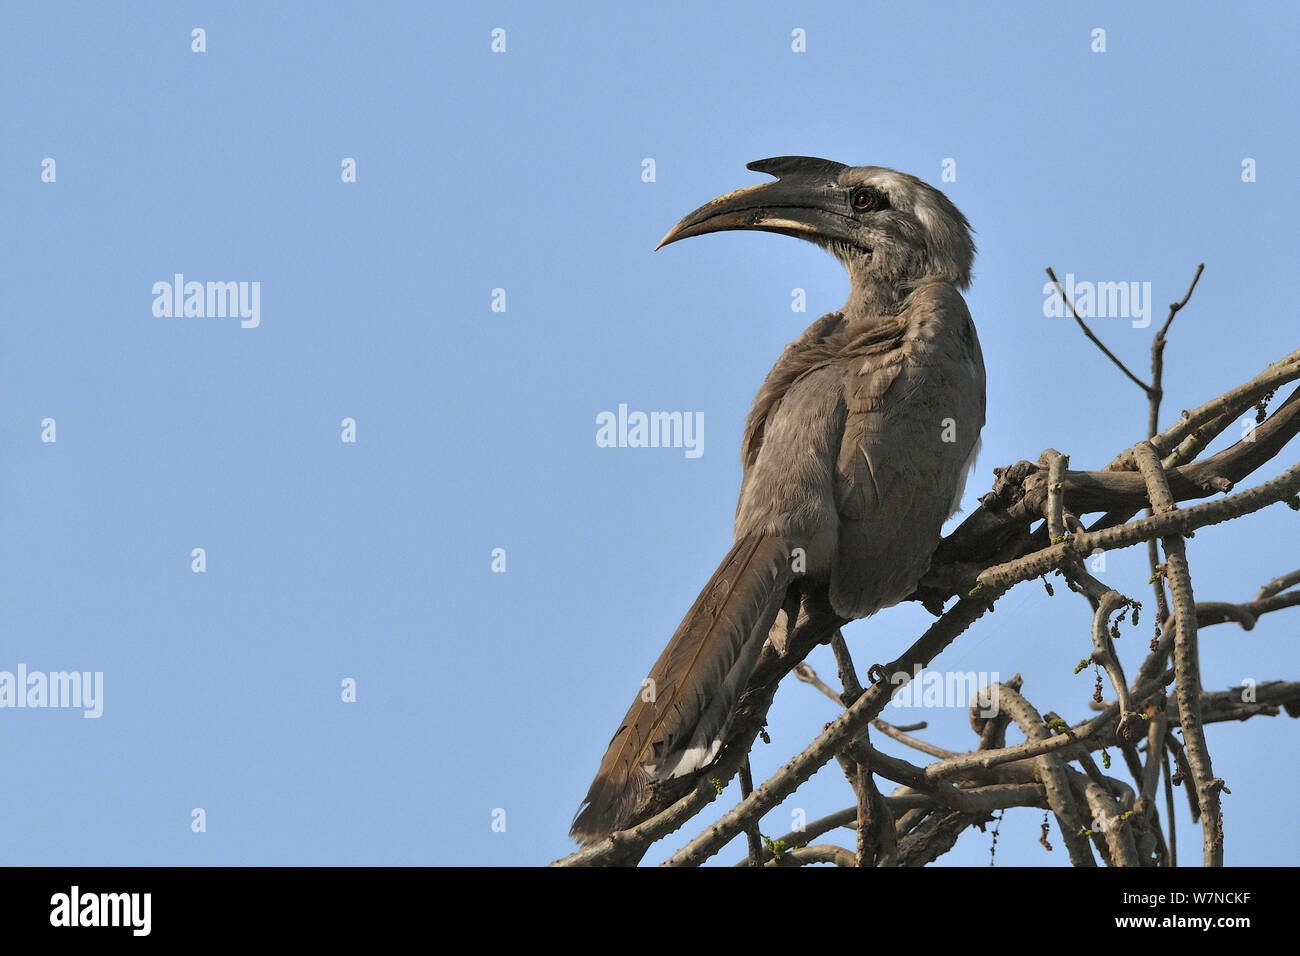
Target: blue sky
475 429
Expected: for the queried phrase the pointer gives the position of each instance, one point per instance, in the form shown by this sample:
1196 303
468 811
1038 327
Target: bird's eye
866 199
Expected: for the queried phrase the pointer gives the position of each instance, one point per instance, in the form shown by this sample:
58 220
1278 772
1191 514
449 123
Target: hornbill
855 453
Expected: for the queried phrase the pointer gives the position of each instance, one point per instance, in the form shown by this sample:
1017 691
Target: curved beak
805 201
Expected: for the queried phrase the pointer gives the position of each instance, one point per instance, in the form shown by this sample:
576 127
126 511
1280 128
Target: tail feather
677 722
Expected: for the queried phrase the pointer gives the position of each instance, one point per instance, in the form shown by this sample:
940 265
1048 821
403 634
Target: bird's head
886 227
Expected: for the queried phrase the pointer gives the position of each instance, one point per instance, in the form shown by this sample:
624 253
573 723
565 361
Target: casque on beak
805 201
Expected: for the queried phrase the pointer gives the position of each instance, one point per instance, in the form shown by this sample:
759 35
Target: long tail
677 722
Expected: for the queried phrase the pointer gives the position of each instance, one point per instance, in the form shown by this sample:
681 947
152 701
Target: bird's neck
870 301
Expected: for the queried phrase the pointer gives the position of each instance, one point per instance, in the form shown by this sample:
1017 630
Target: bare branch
1096 341
1156 394
1278 585
783 783
823 853
1187 666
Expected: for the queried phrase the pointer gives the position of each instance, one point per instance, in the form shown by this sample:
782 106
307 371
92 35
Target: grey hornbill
855 453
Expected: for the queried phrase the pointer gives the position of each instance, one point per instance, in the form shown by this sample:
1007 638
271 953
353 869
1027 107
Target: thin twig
752 836
1156 392
1096 341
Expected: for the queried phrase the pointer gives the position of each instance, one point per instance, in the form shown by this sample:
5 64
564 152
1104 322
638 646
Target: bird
855 452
